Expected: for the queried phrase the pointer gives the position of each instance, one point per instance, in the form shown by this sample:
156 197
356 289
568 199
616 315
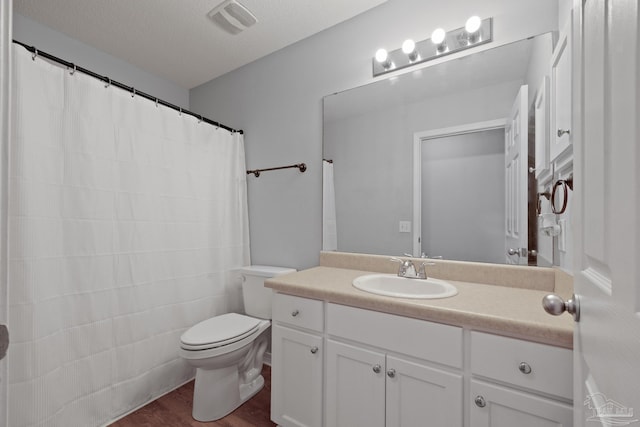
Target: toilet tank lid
265 270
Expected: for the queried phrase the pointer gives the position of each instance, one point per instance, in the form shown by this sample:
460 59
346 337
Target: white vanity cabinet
340 366
385 370
297 361
521 383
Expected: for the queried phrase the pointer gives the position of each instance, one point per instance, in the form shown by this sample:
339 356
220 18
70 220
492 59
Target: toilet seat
219 331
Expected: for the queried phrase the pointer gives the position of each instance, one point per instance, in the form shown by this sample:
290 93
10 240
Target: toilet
227 350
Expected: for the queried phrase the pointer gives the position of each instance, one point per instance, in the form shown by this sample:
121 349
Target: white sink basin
400 287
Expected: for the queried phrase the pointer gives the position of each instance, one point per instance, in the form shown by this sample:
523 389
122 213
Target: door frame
418 139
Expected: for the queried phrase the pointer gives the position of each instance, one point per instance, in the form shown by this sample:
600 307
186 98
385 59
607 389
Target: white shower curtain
126 221
6 26
329 226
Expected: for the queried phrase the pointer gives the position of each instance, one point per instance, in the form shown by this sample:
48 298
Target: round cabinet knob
555 305
391 373
525 368
295 312
480 402
314 350
377 369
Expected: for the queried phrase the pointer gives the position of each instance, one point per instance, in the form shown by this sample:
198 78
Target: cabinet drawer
417 338
296 311
539 367
493 405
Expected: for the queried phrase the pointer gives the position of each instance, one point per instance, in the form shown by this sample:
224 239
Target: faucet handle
430 257
422 273
402 269
407 268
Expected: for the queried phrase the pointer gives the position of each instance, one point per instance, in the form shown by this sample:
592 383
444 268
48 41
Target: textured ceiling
175 40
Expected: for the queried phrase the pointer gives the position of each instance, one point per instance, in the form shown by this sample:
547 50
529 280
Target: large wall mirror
423 162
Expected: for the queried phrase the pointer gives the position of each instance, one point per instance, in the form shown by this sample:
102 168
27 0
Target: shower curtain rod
115 83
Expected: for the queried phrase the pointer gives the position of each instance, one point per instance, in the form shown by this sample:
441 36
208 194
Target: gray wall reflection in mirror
369 133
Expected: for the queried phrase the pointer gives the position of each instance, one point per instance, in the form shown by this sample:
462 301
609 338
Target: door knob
563 132
523 252
555 305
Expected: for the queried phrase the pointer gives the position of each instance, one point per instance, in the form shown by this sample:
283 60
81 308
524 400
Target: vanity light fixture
476 32
471 28
409 49
438 38
382 58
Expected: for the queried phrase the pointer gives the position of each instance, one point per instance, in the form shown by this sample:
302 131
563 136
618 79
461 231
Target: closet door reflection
463 196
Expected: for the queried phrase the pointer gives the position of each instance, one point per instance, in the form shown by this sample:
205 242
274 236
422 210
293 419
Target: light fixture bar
455 41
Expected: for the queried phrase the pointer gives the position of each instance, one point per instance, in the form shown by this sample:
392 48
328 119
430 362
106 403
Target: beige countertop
503 310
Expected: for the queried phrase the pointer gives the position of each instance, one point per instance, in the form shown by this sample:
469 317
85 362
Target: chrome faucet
408 269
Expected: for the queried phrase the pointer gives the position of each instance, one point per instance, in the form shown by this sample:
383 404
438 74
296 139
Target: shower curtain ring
199 119
73 70
34 55
156 102
108 82
180 113
133 92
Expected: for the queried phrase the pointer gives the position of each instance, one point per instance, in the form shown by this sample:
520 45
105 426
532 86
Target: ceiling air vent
232 16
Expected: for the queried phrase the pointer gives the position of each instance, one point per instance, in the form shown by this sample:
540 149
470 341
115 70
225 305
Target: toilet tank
257 298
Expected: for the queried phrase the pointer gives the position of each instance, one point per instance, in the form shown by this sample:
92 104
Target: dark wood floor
174 410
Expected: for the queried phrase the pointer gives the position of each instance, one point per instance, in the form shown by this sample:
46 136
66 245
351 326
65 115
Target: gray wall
277 100
43 38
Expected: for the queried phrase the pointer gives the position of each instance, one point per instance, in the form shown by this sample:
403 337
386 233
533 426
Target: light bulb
381 55
408 46
438 35
473 24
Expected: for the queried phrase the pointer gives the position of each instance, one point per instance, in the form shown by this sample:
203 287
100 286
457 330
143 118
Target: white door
419 395
607 234
516 178
355 388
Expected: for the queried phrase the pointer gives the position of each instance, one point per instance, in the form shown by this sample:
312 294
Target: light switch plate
405 226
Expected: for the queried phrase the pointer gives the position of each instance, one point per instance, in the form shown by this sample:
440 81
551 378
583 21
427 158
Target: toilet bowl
227 350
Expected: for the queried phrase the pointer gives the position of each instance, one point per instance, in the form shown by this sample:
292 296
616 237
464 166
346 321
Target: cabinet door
561 94
355 389
419 395
495 406
296 378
